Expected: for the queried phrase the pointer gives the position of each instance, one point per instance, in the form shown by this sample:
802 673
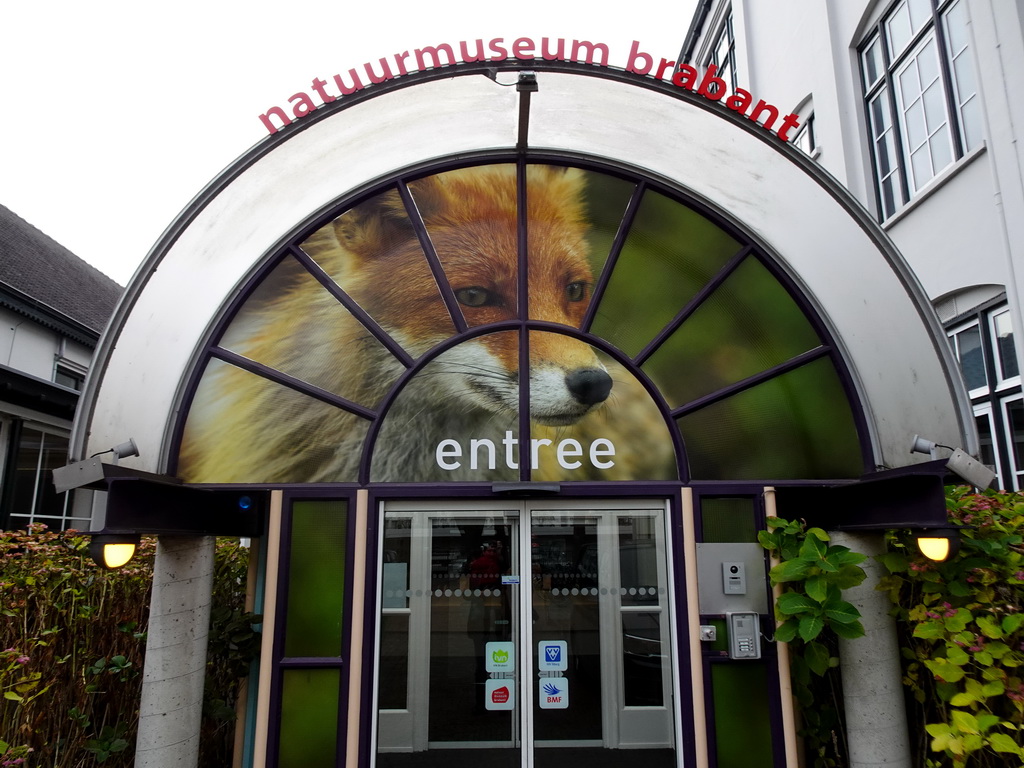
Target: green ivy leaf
895 562
929 630
850 631
989 628
790 570
1012 622
786 632
817 657
841 611
817 588
795 602
964 722
1002 742
810 627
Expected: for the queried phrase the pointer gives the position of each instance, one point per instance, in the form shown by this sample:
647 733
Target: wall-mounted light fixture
113 550
144 503
938 543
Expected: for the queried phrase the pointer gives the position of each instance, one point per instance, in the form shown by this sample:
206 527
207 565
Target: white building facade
910 104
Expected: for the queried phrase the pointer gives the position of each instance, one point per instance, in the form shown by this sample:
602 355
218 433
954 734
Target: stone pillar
876 715
172 685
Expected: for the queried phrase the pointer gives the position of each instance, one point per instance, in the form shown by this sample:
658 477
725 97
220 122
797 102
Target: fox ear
374 226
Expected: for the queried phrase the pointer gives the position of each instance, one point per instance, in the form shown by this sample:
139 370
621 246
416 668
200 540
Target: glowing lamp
113 550
938 543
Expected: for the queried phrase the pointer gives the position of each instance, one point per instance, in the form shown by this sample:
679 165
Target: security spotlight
959 462
126 449
920 445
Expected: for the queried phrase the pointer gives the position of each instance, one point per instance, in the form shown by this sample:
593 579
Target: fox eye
576 291
474 296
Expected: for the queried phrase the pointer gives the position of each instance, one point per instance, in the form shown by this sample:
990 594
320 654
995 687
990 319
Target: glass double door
525 634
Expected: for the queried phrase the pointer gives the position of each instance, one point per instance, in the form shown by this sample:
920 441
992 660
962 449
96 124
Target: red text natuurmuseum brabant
638 62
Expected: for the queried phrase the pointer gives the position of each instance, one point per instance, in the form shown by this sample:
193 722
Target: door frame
680 707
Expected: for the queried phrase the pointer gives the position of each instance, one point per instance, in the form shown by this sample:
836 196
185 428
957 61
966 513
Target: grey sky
114 114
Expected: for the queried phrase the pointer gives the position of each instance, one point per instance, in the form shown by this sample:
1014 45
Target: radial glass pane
293 324
316 578
798 425
471 217
373 253
592 419
670 254
243 428
457 419
749 324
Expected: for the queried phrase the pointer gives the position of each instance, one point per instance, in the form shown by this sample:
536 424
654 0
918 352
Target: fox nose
589 386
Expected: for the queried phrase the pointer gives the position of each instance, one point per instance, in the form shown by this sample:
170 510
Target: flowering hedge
74 640
962 625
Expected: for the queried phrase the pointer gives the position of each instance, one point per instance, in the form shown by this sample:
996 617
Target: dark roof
42 278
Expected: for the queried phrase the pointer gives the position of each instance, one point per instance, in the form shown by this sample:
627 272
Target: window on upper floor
982 341
805 139
921 96
723 54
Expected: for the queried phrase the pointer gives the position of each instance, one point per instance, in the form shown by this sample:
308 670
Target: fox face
471 219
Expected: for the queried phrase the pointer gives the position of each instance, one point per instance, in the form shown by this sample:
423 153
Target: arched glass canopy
392 339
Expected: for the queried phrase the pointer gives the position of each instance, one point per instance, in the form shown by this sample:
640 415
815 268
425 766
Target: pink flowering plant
962 626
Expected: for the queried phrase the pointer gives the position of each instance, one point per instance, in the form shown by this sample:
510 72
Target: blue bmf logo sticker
553 693
552 656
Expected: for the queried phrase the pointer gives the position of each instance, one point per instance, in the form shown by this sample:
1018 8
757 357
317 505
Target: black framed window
723 53
33 452
983 342
920 95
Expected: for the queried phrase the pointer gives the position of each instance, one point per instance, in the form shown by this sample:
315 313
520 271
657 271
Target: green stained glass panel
743 732
671 252
309 718
316 583
798 425
747 325
728 519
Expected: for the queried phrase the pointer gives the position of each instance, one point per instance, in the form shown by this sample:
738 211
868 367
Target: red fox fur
244 429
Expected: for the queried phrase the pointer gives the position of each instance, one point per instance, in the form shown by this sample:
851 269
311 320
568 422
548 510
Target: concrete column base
876 715
171 709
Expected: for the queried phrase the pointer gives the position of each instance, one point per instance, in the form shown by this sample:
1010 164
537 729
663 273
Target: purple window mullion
523 307
350 304
692 304
447 294
613 256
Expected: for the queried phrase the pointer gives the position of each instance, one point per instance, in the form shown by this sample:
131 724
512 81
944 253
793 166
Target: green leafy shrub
812 613
962 631
72 647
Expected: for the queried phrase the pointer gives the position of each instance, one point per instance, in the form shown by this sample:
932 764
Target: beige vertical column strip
700 724
259 752
357 629
785 678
